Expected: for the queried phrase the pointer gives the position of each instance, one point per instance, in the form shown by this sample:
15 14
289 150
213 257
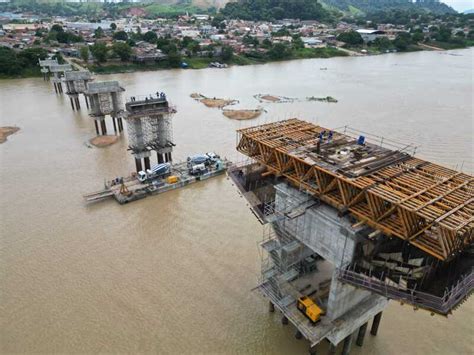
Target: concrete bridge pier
375 324
115 125
346 349
100 126
361 334
160 158
96 127
146 161
138 164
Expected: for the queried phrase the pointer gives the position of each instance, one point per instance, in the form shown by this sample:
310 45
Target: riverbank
7 131
203 62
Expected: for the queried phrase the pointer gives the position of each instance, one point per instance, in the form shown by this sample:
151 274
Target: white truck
156 171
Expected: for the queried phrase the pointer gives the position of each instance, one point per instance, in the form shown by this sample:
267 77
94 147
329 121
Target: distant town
132 41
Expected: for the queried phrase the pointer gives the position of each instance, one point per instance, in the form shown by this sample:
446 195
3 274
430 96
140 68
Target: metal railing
439 304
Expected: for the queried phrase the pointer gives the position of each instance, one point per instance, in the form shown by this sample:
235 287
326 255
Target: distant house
370 35
311 41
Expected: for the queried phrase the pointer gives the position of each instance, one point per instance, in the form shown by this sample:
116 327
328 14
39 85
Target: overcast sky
460 5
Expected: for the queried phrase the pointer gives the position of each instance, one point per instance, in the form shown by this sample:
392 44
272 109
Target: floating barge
128 189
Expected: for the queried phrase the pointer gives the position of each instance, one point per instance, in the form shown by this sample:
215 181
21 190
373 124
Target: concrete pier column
284 320
87 101
78 103
271 307
138 164
120 124
96 127
346 349
160 158
104 127
361 334
72 103
146 160
312 350
298 335
332 349
375 324
115 125
55 88
169 157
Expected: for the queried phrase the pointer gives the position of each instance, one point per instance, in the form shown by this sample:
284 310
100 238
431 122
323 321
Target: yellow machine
310 309
172 179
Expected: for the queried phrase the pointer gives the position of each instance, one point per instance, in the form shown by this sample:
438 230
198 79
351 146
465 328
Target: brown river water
173 273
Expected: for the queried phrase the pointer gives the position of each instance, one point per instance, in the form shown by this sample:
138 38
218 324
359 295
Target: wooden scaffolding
425 204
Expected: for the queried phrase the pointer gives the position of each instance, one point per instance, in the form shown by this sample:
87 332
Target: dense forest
324 9
357 7
275 10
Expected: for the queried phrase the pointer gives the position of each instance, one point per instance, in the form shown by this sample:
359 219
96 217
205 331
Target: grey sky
460 5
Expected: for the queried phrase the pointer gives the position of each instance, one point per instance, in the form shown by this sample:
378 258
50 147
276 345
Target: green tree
84 53
250 40
266 43
402 41
227 53
56 28
174 58
120 36
297 42
29 57
9 64
99 32
150 37
99 51
279 51
122 50
444 34
382 43
418 36
351 38
162 42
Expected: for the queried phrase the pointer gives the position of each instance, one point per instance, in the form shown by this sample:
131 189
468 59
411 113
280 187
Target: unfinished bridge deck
429 206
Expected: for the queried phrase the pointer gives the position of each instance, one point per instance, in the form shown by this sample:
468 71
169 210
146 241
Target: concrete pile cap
57 68
78 75
102 87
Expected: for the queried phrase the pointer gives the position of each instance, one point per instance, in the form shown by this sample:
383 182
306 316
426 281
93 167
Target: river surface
173 273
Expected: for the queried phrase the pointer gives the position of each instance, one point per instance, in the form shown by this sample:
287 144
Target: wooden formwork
427 205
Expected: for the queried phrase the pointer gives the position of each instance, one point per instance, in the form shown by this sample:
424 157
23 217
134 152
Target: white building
370 35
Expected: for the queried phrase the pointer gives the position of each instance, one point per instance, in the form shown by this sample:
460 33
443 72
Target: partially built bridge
423 203
352 220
